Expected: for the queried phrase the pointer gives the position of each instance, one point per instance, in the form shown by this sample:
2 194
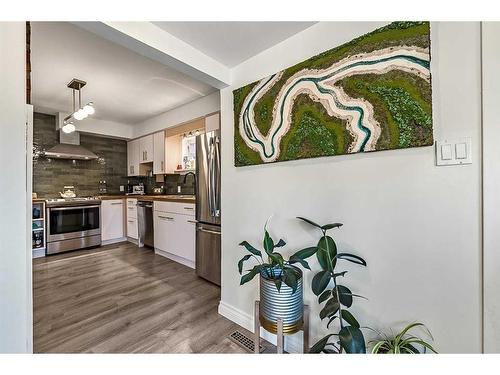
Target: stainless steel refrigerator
208 209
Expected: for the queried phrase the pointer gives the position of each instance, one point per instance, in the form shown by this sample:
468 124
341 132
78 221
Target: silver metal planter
283 304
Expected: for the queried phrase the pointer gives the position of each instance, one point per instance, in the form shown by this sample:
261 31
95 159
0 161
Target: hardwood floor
124 299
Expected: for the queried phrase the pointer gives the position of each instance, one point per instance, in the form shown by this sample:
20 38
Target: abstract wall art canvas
370 94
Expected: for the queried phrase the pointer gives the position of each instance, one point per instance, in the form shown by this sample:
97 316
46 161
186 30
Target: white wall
190 111
15 263
417 225
491 156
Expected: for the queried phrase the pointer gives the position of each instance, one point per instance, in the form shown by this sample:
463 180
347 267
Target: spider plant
402 343
275 267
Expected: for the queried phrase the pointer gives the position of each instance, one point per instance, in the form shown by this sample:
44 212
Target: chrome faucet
194 179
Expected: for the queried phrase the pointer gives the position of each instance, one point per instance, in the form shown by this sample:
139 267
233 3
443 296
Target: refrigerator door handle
217 166
211 178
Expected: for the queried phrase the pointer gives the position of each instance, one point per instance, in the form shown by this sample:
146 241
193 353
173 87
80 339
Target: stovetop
77 201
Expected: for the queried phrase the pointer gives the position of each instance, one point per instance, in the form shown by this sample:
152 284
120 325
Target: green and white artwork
370 94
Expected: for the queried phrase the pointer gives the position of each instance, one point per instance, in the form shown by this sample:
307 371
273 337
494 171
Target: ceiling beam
151 41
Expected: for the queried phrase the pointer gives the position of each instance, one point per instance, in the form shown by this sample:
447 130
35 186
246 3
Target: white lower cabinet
132 228
174 232
112 220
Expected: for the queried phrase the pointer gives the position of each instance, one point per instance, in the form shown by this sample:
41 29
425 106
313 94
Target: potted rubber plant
337 298
403 342
281 289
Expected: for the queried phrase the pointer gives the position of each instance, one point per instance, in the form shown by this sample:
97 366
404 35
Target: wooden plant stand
279 335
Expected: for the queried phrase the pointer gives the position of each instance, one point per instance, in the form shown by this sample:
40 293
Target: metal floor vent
244 341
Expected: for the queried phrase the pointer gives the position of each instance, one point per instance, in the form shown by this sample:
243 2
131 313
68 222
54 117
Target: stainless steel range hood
69 145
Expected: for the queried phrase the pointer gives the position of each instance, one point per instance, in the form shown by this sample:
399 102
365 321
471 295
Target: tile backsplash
170 183
51 175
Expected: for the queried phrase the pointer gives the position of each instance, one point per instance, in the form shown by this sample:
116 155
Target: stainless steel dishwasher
145 223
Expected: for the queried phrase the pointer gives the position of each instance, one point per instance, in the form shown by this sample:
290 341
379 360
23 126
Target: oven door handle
71 208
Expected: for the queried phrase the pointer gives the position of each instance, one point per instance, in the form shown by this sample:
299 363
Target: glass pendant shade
89 109
69 128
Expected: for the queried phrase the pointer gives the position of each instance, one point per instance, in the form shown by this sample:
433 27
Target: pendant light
82 112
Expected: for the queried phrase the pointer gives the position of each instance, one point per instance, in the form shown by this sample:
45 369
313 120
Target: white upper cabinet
133 157
159 160
146 154
212 122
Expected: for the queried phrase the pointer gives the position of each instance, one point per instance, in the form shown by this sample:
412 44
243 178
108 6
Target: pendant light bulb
79 115
69 128
89 109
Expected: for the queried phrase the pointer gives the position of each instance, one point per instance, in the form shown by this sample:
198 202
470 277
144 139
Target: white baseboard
293 343
175 258
38 253
116 240
133 240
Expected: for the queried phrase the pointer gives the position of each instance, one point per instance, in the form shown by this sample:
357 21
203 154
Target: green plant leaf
305 253
351 258
240 263
277 258
320 282
341 274
413 325
331 307
280 243
309 222
349 318
277 283
250 275
302 262
250 248
331 226
345 295
291 280
380 346
268 243
331 320
352 340
324 296
423 343
326 254
320 345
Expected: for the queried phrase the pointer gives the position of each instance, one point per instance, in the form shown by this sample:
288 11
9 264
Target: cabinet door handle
192 221
131 221
161 165
166 217
189 208
146 155
116 203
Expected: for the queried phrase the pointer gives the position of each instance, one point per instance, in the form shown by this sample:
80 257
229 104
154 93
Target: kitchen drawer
174 207
132 229
132 208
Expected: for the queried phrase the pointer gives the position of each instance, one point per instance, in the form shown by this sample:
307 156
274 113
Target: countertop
150 198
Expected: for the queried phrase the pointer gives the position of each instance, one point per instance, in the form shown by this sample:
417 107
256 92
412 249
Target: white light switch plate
454 152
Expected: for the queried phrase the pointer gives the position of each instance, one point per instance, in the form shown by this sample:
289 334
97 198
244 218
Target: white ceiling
231 43
125 86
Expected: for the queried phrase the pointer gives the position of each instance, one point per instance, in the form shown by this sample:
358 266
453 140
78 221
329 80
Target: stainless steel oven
73 224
